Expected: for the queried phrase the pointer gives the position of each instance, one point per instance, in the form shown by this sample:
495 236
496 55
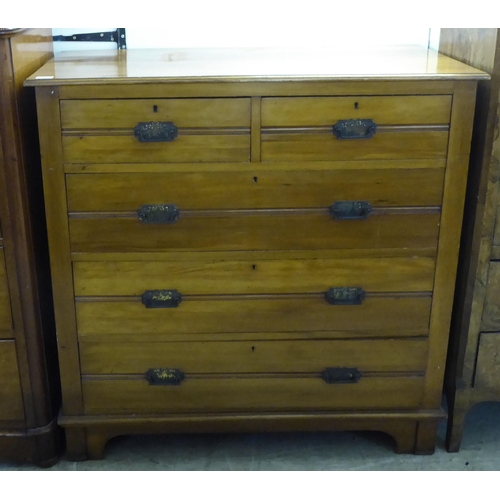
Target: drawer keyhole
356 105
256 179
155 109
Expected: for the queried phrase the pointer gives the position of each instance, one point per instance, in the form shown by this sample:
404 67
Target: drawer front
227 231
295 187
491 312
488 361
125 148
206 130
121 278
383 110
127 113
294 356
5 311
251 314
11 401
322 145
123 396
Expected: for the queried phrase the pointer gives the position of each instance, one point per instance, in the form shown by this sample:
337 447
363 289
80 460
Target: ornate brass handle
341 375
161 299
158 214
155 132
350 210
164 376
345 296
354 129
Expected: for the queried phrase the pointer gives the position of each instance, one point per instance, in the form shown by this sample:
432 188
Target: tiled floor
304 451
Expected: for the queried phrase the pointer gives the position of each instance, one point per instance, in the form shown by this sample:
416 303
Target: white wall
214 32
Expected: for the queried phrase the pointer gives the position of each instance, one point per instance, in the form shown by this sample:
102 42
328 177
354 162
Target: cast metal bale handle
161 299
355 129
156 132
345 296
158 214
164 376
350 210
341 375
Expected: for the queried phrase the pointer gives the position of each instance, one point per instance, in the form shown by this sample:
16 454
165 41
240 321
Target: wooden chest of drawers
28 365
253 241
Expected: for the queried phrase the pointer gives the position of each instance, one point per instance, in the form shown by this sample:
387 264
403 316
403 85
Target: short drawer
383 110
384 127
127 113
379 183
266 230
115 316
156 130
119 395
258 276
11 401
488 361
491 313
293 356
5 312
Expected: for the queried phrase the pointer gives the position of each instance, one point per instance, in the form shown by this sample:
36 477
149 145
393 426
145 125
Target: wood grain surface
295 187
293 356
115 278
233 314
255 232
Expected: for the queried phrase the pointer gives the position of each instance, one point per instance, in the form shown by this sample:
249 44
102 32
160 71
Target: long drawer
399 184
122 278
267 230
292 356
124 395
240 314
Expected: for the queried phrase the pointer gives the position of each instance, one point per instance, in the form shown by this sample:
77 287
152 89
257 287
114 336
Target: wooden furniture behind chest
28 364
473 373
239 252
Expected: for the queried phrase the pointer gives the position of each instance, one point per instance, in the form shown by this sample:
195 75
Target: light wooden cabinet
28 363
247 241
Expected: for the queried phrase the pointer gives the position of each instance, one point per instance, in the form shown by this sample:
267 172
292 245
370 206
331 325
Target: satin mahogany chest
256 240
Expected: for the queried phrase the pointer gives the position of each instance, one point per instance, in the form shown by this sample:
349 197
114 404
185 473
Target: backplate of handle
345 296
155 132
158 214
161 299
164 376
350 210
341 375
355 129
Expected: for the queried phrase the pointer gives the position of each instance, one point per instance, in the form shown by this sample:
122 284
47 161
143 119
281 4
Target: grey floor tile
296 451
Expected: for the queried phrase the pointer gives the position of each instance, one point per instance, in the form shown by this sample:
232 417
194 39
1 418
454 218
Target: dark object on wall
473 368
119 37
29 394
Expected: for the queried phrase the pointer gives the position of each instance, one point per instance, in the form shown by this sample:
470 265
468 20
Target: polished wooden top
153 65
